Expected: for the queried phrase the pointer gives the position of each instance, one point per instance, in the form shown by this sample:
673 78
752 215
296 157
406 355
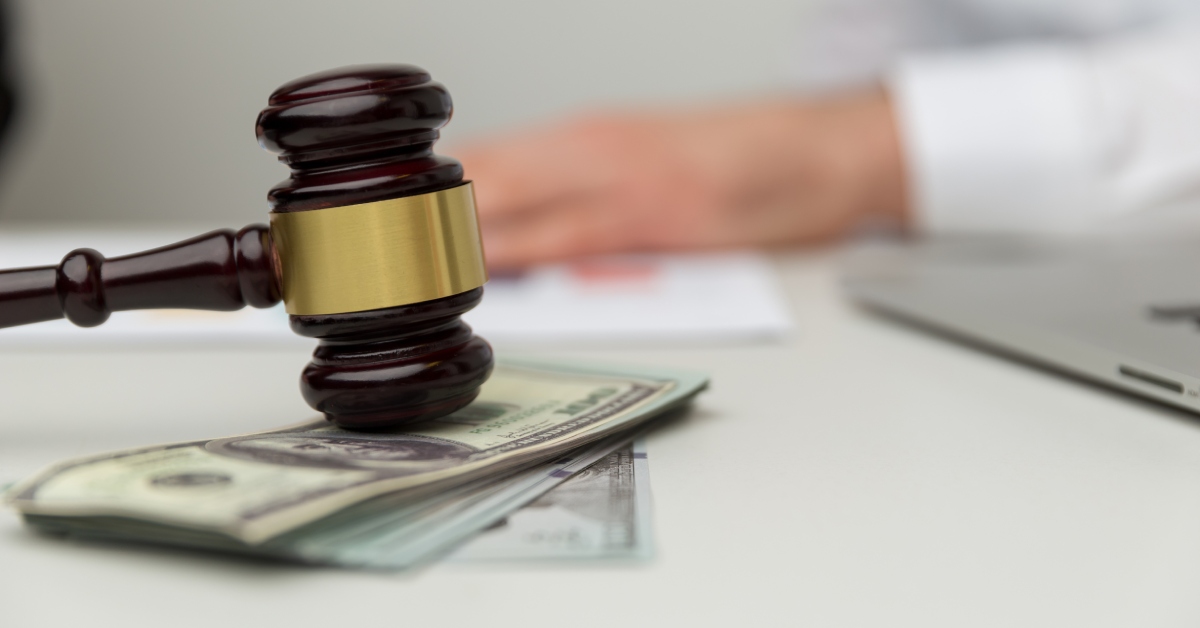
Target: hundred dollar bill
293 485
383 533
404 537
603 512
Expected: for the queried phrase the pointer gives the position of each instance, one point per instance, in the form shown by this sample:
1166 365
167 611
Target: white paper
643 299
637 299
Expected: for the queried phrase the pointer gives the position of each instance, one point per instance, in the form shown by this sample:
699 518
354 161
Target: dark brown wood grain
381 368
357 135
221 270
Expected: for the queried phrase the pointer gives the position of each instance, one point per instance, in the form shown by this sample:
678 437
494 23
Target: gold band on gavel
382 254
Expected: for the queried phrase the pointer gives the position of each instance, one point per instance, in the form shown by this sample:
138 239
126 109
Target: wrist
837 163
863 129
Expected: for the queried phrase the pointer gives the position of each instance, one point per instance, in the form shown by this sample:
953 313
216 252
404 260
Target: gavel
373 247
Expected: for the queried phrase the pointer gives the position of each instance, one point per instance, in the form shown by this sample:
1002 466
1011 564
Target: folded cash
600 513
316 493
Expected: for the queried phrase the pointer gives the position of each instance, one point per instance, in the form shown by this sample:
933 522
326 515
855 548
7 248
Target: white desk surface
860 474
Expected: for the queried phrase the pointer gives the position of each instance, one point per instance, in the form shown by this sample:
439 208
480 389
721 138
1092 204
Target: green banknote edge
433 543
641 549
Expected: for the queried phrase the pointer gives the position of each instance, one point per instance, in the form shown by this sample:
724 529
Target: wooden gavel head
373 247
377 244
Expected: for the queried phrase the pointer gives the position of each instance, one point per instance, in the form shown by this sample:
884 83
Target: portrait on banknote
347 451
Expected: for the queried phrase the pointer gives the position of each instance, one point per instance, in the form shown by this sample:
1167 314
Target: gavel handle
221 270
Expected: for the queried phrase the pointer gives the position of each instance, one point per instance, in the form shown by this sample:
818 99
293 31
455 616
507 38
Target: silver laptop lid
1126 315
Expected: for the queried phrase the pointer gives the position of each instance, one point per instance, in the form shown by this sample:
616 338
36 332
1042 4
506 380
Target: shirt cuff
995 140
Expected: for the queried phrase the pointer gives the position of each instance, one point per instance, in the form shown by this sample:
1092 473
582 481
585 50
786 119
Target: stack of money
319 494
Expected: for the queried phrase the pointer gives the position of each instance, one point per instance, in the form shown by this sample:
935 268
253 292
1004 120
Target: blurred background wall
143 110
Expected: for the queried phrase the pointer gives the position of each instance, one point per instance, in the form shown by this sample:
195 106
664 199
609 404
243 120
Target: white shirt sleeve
1054 137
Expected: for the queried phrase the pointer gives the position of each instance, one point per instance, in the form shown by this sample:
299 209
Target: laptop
1126 315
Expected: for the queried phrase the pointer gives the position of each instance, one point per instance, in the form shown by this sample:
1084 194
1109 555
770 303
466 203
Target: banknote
379 534
414 534
600 513
318 493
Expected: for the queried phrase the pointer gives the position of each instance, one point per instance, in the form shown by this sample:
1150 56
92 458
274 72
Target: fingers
604 185
526 172
584 227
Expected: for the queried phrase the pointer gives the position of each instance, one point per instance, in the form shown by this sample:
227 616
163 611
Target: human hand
755 175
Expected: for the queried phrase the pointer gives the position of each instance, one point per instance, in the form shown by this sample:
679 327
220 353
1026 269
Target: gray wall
143 110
